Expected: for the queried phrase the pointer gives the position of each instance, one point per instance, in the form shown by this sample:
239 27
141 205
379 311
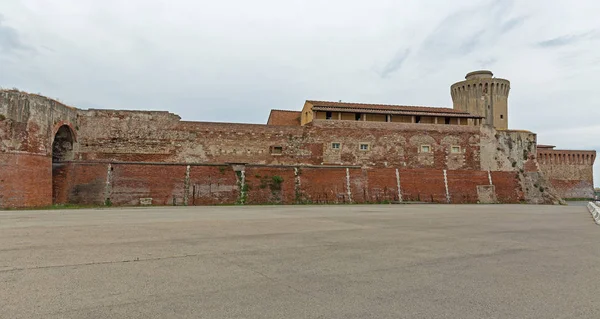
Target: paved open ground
394 261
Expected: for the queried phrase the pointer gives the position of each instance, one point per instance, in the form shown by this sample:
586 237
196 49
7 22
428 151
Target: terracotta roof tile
284 118
385 107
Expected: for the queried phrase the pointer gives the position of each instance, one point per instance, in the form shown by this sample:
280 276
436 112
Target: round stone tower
484 95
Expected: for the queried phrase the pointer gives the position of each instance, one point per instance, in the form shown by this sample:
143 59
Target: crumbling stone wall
123 157
28 124
570 172
515 151
161 137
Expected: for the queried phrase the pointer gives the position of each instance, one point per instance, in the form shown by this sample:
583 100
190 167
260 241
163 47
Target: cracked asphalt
388 261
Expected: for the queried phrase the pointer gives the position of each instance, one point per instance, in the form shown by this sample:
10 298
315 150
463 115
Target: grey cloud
395 63
512 23
464 31
567 39
10 41
471 43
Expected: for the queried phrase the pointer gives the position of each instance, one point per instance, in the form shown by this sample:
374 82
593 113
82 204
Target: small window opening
417 119
425 149
328 115
335 146
276 150
364 147
357 116
501 116
455 149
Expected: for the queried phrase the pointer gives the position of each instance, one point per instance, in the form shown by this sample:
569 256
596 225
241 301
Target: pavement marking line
137 259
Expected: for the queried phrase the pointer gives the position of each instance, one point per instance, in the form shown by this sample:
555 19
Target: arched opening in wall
62 146
62 152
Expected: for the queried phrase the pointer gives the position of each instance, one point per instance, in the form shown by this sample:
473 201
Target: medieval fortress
327 152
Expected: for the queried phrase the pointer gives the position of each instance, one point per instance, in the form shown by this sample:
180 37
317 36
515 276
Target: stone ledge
595 211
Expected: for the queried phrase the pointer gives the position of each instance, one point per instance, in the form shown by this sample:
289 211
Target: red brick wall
570 172
270 185
425 185
84 183
80 183
573 188
212 185
163 183
462 185
323 185
382 185
25 180
508 189
162 137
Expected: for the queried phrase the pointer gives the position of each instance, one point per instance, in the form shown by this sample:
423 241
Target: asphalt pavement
370 261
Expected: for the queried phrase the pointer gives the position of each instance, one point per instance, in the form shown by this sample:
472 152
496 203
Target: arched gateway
62 152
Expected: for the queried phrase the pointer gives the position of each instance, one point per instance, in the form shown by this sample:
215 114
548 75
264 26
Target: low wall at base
132 184
570 189
25 180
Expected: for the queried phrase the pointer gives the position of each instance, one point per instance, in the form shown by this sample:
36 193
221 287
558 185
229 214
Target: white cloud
233 60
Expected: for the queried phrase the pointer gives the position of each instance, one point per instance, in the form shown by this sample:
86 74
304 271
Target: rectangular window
328 115
335 146
501 116
425 149
364 146
455 149
276 150
357 116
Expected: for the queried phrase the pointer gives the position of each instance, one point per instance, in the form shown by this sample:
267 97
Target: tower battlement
483 95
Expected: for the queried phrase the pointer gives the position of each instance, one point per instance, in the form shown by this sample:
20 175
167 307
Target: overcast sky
234 60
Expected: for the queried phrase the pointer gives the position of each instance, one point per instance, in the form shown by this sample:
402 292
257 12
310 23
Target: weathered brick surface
81 183
570 172
158 148
425 185
382 185
161 137
25 180
573 188
271 185
284 117
324 185
163 183
508 188
84 183
212 185
462 185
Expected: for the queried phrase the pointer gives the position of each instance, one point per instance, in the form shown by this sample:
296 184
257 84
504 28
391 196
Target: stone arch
62 144
63 151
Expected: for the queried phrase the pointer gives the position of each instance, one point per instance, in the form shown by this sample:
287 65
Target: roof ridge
291 111
379 104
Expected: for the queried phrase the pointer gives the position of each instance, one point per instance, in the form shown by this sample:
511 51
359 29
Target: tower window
501 116
328 115
357 116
